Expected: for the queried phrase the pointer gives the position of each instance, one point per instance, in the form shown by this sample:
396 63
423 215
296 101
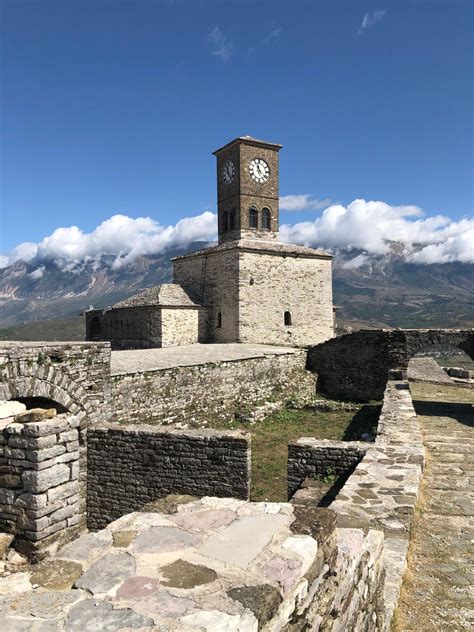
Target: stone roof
259 245
251 141
167 294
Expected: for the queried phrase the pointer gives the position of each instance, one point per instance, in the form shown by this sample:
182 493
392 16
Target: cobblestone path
438 587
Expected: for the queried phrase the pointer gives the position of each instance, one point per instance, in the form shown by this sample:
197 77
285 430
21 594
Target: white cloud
220 46
38 273
122 236
370 19
273 35
369 226
356 262
303 202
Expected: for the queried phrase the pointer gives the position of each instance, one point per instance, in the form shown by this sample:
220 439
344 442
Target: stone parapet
203 394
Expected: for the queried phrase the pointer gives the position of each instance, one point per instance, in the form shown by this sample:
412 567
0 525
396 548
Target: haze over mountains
374 291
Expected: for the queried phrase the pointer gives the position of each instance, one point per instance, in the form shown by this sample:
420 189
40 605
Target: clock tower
247 190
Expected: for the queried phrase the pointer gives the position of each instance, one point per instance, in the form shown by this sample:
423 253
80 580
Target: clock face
259 170
228 172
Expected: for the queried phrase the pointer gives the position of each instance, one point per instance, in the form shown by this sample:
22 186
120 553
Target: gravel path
438 588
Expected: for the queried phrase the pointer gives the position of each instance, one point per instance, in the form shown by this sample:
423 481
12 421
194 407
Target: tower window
266 219
253 217
225 221
219 320
232 220
95 327
288 319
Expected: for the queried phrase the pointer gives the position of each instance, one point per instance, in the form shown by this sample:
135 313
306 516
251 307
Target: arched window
225 221
95 327
253 217
288 319
266 219
232 225
219 320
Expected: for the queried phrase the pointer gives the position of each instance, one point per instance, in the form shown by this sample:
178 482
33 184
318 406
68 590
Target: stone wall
132 466
356 366
39 480
213 280
75 375
271 285
202 394
314 458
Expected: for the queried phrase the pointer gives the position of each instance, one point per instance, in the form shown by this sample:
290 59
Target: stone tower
256 289
247 189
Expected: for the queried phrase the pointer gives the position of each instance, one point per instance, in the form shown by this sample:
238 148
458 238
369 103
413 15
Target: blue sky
115 107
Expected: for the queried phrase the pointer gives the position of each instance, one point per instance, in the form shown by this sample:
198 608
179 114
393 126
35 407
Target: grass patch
271 436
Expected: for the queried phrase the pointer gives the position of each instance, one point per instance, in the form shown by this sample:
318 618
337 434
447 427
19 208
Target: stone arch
41 380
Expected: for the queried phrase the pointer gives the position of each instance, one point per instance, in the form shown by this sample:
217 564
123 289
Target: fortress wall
131 466
200 395
313 458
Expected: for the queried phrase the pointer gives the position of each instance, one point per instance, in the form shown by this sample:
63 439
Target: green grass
271 436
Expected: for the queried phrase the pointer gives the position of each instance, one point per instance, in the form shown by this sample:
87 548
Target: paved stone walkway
139 360
438 589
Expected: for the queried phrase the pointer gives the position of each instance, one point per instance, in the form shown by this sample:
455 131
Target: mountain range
43 299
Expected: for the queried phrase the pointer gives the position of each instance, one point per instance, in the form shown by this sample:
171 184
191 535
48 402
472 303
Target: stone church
250 287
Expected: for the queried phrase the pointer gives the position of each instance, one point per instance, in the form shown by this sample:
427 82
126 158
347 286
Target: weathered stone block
46 453
40 481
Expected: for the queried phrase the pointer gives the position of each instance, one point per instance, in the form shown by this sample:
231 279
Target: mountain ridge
376 291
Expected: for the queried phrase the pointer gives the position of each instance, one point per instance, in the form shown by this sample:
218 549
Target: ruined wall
199 395
39 480
314 458
356 366
132 466
270 285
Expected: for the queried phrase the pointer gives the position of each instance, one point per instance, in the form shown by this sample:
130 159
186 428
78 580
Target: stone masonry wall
39 480
356 366
132 466
199 395
314 458
270 285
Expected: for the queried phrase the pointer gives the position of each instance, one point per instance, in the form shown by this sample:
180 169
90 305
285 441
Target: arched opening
219 320
288 320
266 219
95 327
41 402
441 364
253 218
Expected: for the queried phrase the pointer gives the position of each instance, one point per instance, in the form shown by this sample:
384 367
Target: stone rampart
356 366
39 480
131 466
205 393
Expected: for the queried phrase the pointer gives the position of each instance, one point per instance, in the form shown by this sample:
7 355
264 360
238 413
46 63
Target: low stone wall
314 458
198 395
132 466
39 481
381 493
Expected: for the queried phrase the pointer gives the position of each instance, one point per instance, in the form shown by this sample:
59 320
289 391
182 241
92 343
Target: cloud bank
368 226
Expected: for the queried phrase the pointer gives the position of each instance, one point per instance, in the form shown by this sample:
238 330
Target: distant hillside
384 292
